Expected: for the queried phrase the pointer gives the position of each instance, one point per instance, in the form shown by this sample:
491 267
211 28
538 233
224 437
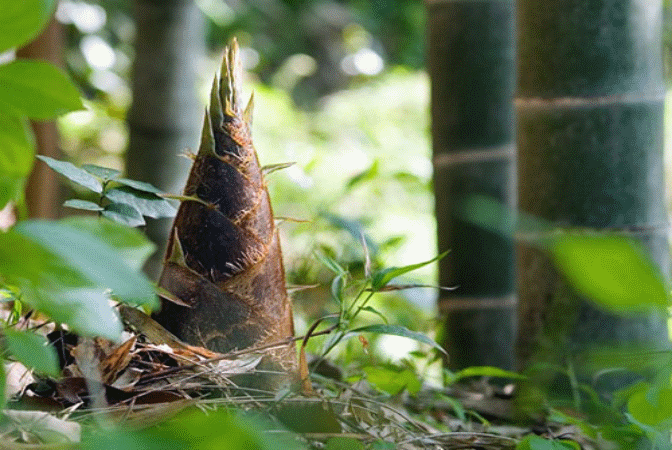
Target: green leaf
22 20
331 264
73 173
16 157
343 443
610 270
130 244
37 89
101 172
381 278
657 411
33 350
82 204
123 214
393 380
396 330
195 430
533 442
52 285
139 185
487 371
373 310
145 203
93 258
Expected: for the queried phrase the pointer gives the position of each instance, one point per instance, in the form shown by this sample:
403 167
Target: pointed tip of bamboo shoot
216 112
207 138
230 80
247 114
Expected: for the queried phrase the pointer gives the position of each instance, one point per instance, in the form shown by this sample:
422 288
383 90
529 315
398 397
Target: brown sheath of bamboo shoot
224 257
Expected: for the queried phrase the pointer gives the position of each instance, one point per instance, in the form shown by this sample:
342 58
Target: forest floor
152 379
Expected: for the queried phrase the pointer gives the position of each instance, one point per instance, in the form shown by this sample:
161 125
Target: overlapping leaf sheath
224 259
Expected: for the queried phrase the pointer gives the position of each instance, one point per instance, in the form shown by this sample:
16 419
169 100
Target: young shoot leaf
381 278
123 214
145 203
73 173
373 310
101 172
33 351
397 330
82 204
337 287
139 185
331 264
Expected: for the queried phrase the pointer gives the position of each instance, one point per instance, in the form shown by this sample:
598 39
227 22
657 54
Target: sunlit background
339 89
340 92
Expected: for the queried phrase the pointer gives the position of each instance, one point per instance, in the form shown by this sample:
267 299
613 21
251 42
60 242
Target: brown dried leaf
117 361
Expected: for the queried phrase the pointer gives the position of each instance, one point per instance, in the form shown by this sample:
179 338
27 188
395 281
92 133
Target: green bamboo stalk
590 154
471 65
168 44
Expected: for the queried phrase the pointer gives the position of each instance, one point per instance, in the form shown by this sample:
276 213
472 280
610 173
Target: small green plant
120 199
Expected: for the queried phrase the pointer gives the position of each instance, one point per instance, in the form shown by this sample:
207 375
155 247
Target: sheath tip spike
176 255
216 113
247 114
230 79
207 138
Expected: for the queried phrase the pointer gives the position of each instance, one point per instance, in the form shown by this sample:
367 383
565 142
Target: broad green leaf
145 203
344 443
534 442
130 244
86 311
73 173
610 270
52 285
82 204
37 89
123 214
101 172
393 380
33 350
487 371
657 411
93 258
139 185
381 278
22 20
396 330
195 430
16 156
